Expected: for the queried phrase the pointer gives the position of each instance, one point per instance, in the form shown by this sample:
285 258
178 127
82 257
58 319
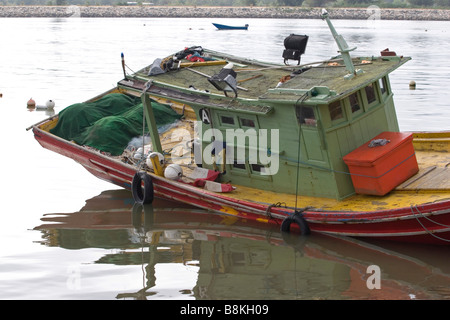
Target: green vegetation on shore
259 3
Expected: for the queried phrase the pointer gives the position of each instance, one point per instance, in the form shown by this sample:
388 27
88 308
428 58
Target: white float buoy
412 84
149 160
173 172
138 154
50 104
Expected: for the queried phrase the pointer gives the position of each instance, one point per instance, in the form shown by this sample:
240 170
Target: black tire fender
299 220
142 195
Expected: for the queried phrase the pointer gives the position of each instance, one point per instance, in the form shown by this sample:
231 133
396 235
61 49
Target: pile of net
109 123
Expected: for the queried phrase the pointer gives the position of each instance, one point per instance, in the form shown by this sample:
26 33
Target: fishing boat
226 27
314 147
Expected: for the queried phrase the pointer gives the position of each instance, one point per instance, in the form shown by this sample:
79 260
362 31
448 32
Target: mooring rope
301 99
277 205
345 172
141 162
425 228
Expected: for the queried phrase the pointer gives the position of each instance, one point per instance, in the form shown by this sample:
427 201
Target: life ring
299 220
142 195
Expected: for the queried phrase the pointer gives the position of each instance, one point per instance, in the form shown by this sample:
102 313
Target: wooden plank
202 63
433 178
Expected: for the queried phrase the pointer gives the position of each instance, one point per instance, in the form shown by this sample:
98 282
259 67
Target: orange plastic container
379 169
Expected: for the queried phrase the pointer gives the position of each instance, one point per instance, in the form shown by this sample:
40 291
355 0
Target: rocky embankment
221 12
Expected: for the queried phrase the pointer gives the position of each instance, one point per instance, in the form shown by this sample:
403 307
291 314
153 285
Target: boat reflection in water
239 259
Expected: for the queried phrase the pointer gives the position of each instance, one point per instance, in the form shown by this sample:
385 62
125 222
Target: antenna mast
343 48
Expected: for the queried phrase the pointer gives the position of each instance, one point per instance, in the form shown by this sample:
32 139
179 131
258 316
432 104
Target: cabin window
238 165
257 167
335 110
227 120
383 86
247 123
305 115
355 104
370 93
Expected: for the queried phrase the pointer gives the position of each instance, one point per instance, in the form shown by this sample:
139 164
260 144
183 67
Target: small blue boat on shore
225 27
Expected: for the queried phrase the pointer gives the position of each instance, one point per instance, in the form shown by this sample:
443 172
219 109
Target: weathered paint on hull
427 223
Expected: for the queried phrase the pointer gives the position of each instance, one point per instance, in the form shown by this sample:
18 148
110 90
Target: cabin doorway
310 135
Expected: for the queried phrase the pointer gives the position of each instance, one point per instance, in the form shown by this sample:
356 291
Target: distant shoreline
218 12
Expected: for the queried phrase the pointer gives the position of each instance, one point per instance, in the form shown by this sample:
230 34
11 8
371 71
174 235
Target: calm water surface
67 235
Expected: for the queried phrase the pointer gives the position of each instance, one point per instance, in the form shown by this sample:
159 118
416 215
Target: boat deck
434 164
427 191
430 184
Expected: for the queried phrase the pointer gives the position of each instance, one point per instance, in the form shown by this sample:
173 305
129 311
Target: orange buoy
31 103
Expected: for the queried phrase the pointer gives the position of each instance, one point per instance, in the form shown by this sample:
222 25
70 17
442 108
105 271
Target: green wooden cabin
320 116
320 113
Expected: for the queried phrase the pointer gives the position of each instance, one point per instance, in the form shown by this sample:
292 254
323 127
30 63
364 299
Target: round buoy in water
50 104
31 103
149 161
173 172
412 84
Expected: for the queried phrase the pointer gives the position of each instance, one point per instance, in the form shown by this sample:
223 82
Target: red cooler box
379 169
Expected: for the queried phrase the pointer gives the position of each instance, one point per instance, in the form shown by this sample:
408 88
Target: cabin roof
260 81
332 76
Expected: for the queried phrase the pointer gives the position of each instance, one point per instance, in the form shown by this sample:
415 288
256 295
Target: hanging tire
142 195
299 220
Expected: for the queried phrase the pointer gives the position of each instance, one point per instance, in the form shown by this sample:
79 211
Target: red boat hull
426 223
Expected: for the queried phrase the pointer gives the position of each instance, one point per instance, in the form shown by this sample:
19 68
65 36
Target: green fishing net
109 123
